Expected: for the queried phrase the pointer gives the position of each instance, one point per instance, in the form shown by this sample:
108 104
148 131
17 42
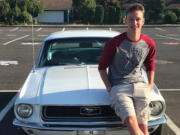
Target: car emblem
90 111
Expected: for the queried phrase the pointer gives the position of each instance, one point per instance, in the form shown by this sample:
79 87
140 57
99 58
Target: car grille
78 113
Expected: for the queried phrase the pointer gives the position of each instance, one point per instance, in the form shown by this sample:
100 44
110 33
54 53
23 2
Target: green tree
118 15
111 15
26 17
13 11
177 12
155 9
99 14
34 7
170 17
4 10
107 3
84 10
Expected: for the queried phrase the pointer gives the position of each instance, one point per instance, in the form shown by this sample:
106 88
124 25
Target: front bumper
54 127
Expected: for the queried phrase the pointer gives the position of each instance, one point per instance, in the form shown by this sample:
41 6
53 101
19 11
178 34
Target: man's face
135 20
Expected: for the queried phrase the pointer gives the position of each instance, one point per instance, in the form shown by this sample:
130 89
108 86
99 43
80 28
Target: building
55 11
172 4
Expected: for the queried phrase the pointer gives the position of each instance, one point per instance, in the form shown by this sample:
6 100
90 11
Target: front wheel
158 131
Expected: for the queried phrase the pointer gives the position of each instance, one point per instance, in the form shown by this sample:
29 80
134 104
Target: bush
111 15
177 12
118 15
170 17
26 17
99 14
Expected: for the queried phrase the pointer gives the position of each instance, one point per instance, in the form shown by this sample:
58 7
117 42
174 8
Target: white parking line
14 29
39 29
2 91
160 29
7 62
173 126
10 35
8 107
24 30
30 43
63 29
42 35
169 89
15 40
167 37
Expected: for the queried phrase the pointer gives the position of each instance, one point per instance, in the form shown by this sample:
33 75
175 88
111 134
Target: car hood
68 85
65 85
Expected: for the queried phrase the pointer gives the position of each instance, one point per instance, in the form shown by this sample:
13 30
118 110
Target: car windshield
72 51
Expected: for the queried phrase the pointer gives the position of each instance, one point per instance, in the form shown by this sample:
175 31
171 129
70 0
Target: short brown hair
134 7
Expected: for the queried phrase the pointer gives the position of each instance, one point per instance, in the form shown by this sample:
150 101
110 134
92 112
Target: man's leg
133 126
142 112
144 129
141 104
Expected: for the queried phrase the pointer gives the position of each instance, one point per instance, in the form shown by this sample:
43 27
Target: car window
72 51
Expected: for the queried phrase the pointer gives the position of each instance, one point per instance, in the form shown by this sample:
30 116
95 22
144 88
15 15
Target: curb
90 26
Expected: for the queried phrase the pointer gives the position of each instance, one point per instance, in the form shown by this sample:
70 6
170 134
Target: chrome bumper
59 126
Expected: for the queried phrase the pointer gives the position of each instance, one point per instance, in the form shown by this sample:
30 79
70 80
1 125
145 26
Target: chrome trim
90 111
77 125
157 122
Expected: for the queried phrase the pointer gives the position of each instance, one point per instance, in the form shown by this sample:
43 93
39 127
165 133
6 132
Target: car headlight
156 108
24 110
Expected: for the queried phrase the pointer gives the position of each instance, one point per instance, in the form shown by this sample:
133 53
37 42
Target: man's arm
150 75
104 77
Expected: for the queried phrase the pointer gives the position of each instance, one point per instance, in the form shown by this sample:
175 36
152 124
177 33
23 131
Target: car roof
82 34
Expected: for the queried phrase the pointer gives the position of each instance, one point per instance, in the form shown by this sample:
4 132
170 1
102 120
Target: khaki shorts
131 100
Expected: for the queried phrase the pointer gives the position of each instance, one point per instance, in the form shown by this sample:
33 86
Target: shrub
177 12
170 17
111 15
99 14
118 15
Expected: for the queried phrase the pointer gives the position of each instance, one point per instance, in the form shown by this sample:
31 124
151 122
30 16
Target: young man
125 55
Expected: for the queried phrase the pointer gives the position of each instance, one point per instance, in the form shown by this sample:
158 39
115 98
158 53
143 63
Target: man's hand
104 77
150 87
150 75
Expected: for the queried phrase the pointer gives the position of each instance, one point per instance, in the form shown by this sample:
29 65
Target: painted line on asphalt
3 91
39 29
167 37
169 90
173 126
8 107
42 35
24 30
7 63
10 35
30 43
14 29
15 40
63 29
160 29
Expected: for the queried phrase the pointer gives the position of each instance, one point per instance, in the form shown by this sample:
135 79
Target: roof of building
57 4
173 6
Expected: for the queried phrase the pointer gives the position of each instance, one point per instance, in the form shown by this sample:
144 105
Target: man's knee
131 120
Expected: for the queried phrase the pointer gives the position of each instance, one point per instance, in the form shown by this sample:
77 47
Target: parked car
64 92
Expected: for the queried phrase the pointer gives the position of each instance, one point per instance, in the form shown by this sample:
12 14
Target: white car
65 94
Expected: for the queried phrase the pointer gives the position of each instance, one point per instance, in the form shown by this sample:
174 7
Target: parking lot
19 48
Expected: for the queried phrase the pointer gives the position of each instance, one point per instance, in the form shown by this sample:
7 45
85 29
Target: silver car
65 94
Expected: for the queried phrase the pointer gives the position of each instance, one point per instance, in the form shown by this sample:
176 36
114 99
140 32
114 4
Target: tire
158 131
